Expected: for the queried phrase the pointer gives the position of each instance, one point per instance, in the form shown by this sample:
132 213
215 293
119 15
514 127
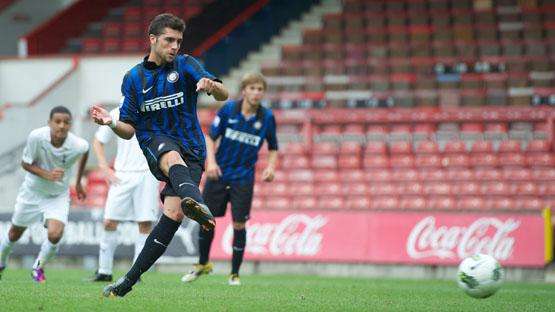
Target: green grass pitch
65 290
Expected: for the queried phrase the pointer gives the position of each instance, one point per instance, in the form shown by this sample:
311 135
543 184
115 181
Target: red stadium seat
427 160
432 174
351 148
294 149
294 162
324 162
402 161
377 161
412 188
470 203
375 148
427 147
301 188
482 147
353 175
516 174
512 159
303 202
358 202
487 174
329 188
467 188
257 203
442 203
382 189
350 189
325 148
274 202
539 160
413 203
529 203
326 176
400 147
437 188
510 146
454 147
300 175
459 174
455 160
484 160
495 188
404 174
538 146
377 175
330 202
384 202
349 162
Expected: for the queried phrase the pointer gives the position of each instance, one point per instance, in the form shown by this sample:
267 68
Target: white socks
5 249
139 244
47 252
108 245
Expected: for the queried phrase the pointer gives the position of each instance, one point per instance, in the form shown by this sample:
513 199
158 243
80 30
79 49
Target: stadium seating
123 29
423 53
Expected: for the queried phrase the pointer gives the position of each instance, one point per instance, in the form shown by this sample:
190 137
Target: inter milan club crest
173 76
257 125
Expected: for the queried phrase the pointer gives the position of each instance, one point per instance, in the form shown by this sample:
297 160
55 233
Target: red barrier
388 237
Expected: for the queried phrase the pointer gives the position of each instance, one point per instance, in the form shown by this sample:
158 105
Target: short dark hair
164 20
59 109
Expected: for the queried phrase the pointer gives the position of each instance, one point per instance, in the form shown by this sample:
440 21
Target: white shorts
31 208
134 198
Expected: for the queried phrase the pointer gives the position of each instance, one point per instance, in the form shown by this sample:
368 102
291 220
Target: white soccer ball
480 276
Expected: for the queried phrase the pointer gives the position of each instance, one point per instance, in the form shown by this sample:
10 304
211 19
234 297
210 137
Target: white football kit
135 196
39 199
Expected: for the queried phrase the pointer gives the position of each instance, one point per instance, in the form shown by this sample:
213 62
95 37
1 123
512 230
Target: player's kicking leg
48 249
6 244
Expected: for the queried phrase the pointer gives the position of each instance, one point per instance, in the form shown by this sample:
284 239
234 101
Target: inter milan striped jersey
162 101
241 140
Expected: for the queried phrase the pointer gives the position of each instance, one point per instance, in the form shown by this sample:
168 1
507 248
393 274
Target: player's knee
15 232
239 225
169 159
55 235
110 225
145 227
175 215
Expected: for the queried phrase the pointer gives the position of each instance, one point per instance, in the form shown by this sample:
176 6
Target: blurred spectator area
405 159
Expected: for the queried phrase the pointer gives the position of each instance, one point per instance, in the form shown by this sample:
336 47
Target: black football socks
239 241
204 242
155 246
183 184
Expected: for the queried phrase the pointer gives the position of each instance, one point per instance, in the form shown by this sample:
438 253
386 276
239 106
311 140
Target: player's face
253 93
166 45
59 124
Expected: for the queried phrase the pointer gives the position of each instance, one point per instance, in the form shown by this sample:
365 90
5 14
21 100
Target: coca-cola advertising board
390 237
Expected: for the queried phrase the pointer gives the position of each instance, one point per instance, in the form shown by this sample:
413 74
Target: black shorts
159 146
217 194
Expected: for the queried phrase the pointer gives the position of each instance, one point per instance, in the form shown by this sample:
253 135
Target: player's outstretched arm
81 194
55 175
102 117
269 173
217 89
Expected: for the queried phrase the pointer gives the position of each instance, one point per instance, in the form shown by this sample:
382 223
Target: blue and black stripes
162 101
241 139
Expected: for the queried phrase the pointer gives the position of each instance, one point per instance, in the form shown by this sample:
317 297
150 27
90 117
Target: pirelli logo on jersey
163 102
242 137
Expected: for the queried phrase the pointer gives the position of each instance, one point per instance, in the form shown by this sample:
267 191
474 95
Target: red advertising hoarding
388 237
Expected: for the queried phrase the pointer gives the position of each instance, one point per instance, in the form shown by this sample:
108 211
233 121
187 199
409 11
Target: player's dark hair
165 20
60 109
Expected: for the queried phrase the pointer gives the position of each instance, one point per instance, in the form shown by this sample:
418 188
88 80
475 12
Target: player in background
133 196
48 158
240 127
159 107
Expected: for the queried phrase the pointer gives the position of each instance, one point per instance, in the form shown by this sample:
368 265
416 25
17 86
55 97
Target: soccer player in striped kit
159 107
241 126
